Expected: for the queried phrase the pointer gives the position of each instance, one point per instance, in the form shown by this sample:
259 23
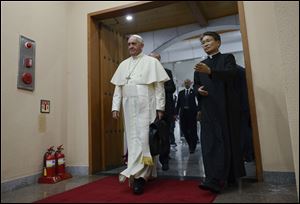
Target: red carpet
109 190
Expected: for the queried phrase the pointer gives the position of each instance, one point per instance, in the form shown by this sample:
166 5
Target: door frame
94 75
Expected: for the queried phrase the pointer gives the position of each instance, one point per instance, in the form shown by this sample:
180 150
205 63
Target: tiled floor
182 166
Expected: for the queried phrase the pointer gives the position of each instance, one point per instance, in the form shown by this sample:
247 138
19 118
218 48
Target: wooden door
113 50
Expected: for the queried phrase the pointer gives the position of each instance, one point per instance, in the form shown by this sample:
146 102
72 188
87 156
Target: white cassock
139 85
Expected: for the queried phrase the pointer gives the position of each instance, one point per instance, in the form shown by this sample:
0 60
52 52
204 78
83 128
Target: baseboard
29 180
78 170
19 183
275 177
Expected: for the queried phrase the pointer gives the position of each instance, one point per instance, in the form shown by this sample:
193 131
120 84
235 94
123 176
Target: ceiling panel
217 9
172 15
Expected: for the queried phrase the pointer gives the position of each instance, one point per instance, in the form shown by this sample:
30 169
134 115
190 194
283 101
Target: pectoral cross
127 78
131 69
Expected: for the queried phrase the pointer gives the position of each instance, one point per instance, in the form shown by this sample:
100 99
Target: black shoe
232 183
138 186
165 167
192 151
213 187
173 144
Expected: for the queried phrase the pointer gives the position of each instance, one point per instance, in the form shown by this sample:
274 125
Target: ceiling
173 14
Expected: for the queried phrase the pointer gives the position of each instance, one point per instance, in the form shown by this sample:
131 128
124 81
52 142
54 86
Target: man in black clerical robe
170 88
168 117
214 81
246 130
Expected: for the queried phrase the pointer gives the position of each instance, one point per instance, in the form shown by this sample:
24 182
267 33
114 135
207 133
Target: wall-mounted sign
45 106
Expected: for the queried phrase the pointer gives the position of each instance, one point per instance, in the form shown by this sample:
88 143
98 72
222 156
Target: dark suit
168 117
187 109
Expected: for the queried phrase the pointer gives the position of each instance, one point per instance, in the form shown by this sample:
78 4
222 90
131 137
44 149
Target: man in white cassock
139 86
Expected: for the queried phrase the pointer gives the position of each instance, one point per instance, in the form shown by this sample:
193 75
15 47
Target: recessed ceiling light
129 17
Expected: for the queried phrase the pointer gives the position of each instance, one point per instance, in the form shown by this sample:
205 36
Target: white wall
288 25
175 55
22 144
273 35
182 70
239 58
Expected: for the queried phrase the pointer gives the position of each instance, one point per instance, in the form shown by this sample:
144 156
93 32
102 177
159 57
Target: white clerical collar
211 56
138 56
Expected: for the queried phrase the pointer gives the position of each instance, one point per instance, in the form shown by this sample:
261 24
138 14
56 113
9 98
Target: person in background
187 109
173 124
168 116
139 86
214 82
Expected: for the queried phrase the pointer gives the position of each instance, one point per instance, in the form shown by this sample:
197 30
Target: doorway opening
105 135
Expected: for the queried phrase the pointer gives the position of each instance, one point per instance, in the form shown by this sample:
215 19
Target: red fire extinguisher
49 168
61 164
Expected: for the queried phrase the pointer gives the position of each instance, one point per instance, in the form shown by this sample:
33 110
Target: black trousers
188 126
164 154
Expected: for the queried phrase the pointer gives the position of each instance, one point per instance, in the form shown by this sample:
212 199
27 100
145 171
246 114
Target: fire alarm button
28 62
28 44
27 78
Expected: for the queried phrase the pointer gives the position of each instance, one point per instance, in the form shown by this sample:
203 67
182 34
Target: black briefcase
158 132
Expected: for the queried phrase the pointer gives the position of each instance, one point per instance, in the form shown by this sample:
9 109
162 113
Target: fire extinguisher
61 164
49 163
49 168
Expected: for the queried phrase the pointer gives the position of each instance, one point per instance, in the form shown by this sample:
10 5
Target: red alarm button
28 44
27 78
28 62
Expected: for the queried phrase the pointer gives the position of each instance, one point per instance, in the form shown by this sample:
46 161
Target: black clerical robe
220 119
170 88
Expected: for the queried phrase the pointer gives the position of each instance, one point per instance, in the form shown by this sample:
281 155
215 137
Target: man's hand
115 115
160 114
202 92
199 116
202 68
